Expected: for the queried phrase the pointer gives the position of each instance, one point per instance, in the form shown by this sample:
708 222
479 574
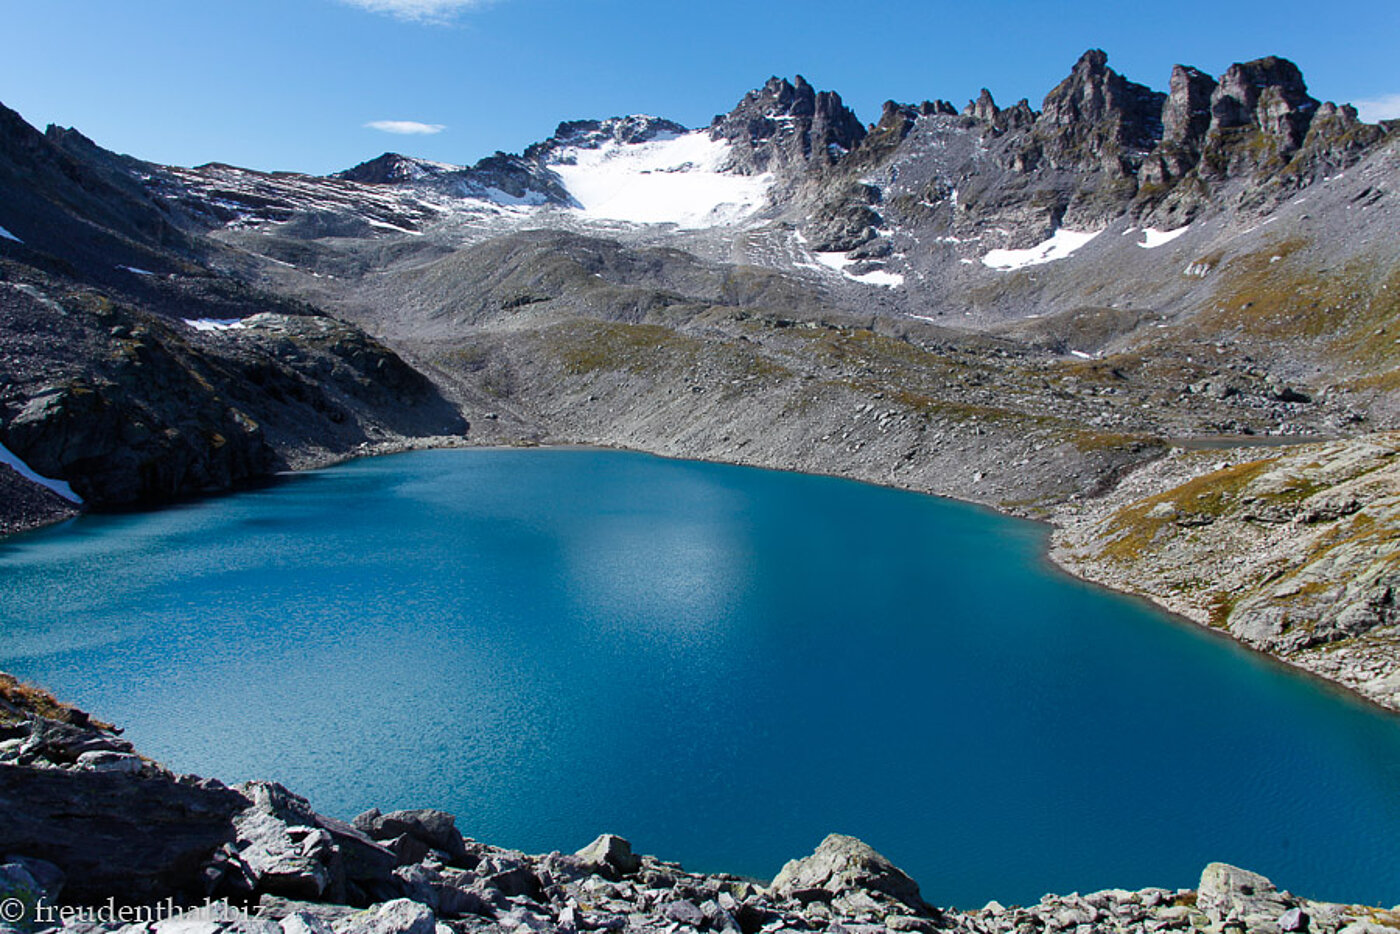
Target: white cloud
405 127
417 11
1386 107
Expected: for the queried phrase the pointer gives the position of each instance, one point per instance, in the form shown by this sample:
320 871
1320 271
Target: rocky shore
95 838
1292 551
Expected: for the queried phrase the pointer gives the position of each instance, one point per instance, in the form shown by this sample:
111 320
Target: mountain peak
590 134
788 124
1092 62
393 168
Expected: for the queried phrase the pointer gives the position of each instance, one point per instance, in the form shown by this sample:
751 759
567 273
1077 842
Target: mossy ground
20 700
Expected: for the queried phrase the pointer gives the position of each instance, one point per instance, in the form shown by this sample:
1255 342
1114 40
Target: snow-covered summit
638 169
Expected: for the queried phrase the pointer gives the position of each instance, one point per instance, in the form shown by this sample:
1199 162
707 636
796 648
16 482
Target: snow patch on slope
1151 239
1061 244
215 324
60 487
673 179
839 262
6 235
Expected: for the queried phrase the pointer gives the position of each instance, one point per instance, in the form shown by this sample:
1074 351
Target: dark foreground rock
87 826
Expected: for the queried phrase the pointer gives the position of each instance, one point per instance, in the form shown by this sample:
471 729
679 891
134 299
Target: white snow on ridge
674 180
1060 245
60 487
6 235
215 324
1151 239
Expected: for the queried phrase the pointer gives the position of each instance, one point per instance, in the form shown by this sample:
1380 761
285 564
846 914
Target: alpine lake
721 664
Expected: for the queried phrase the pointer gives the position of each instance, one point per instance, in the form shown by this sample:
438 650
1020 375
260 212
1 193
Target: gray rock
400 916
437 829
845 866
301 922
137 838
40 877
1294 919
518 881
684 912
289 860
1186 114
347 854
105 760
277 908
408 849
455 900
1227 889
610 856
1365 927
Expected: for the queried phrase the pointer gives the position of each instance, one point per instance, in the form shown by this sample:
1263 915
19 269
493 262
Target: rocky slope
135 368
1294 552
86 820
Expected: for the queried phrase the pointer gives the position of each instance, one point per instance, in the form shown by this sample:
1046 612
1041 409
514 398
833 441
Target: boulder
400 916
292 851
39 877
104 760
437 829
848 868
294 861
610 856
684 912
517 881
1227 889
301 922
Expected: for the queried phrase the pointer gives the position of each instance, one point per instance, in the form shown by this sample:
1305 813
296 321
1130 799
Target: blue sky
294 84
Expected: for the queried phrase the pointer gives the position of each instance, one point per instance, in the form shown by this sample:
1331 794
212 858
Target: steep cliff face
788 126
1096 120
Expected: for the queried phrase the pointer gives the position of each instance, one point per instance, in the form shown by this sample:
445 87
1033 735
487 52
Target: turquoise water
721 664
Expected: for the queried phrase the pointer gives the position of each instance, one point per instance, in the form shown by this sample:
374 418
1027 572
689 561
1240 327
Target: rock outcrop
851 876
1097 120
788 126
75 796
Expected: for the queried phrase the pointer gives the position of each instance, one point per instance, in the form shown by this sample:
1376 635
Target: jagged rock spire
1268 93
1102 108
1186 116
788 124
